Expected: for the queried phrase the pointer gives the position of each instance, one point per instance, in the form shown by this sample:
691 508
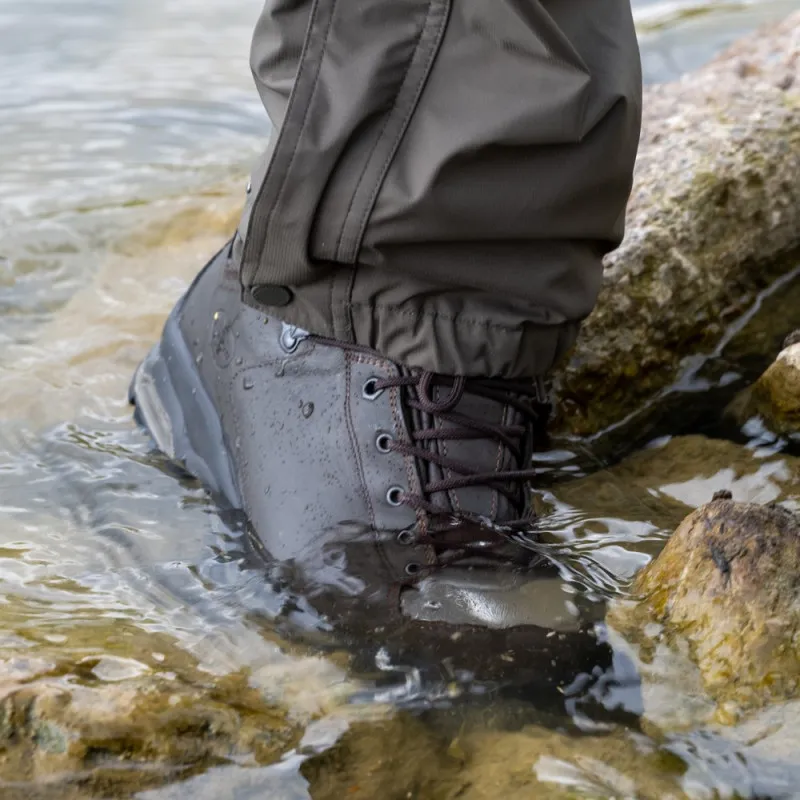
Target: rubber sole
174 407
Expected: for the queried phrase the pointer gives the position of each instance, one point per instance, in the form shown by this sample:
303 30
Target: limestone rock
728 584
776 395
713 218
109 740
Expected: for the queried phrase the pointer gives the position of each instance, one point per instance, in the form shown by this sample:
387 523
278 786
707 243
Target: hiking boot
392 501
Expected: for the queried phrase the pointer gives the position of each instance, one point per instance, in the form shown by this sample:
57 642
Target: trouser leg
444 177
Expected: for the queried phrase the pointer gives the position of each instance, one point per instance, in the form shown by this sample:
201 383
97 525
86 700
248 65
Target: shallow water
126 131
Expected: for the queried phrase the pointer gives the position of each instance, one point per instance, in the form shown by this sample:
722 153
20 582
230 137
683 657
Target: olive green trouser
444 176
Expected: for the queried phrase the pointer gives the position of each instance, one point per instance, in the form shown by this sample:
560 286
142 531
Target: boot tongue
484 455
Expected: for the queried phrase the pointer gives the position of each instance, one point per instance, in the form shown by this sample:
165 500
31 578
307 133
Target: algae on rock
775 396
110 740
728 584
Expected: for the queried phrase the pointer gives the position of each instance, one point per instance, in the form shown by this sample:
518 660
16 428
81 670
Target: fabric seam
458 319
437 35
379 140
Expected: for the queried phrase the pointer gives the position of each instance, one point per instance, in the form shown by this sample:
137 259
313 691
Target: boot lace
526 398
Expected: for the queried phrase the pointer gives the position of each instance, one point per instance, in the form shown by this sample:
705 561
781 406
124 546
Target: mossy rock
775 396
714 217
728 584
112 740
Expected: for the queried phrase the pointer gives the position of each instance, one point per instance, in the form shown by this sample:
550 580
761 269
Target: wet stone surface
111 740
775 396
714 217
727 584
531 761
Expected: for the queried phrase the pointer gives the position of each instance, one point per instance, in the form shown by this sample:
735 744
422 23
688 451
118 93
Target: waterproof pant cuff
451 333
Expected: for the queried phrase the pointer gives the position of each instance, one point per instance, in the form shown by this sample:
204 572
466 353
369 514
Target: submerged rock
727 584
713 218
775 396
109 740
403 757
662 483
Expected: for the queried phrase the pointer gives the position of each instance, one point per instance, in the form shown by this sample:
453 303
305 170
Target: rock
775 396
662 483
402 758
625 513
110 740
714 217
541 763
727 584
394 758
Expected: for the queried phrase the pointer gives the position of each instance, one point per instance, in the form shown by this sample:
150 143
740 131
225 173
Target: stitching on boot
397 425
448 473
422 522
243 478
394 397
353 441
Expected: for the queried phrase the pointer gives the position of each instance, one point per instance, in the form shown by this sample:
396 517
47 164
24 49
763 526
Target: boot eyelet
412 568
406 537
370 390
383 442
289 340
394 497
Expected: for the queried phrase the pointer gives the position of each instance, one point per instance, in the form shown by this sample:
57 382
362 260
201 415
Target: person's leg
444 178
441 185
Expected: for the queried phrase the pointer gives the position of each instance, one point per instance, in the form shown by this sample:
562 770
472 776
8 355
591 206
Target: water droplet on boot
199 359
433 605
308 410
247 383
238 443
239 361
281 368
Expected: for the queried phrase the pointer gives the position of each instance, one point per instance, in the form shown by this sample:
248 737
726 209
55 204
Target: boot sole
172 404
